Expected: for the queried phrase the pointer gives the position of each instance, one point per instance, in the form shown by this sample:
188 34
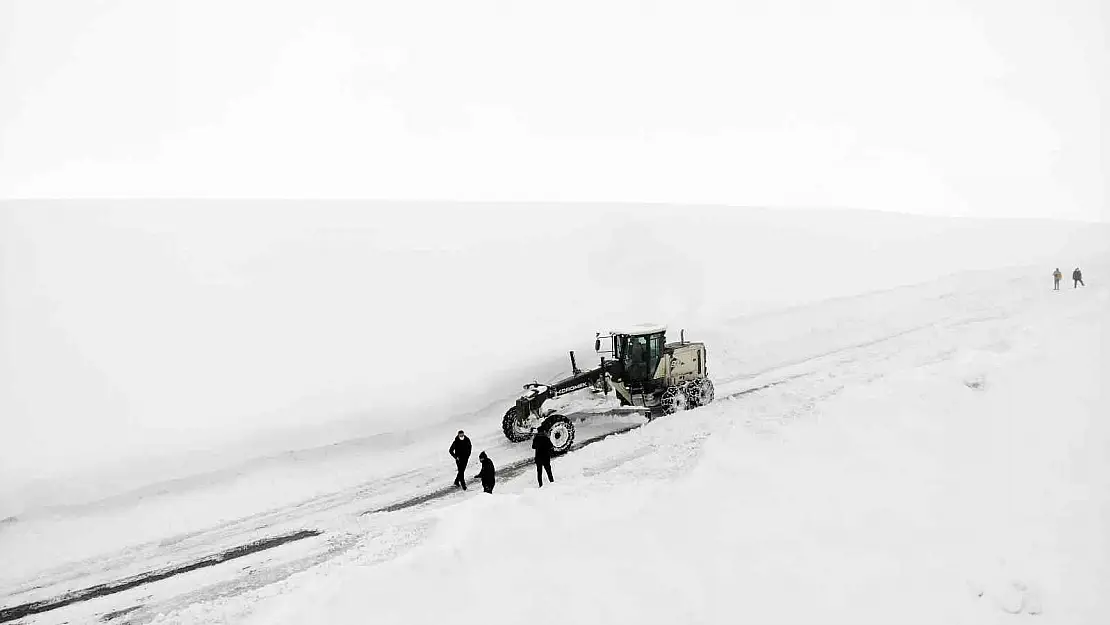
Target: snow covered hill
924 454
196 341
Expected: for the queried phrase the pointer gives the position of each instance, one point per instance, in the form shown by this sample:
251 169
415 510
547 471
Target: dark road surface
127 583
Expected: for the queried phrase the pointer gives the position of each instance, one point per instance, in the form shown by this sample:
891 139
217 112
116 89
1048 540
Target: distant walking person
460 451
542 444
1077 277
487 473
1056 276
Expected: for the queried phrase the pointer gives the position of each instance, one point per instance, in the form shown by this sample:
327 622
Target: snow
929 453
955 474
250 329
640 328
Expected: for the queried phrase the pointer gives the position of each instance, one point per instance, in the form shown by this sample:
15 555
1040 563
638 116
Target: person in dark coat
460 451
1056 276
1077 278
542 444
487 472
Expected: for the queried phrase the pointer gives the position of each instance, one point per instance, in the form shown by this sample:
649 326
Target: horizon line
565 203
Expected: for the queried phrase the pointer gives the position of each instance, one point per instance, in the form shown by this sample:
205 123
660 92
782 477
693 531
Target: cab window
656 348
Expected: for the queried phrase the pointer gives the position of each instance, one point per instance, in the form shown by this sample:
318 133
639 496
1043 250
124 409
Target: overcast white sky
980 107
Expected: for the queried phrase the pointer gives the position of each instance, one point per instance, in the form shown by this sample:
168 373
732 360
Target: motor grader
643 371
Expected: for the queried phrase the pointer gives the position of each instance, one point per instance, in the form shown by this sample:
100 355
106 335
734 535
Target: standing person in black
460 451
487 473
1077 278
542 444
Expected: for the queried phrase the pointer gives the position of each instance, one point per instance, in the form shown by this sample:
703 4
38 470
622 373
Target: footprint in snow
1014 598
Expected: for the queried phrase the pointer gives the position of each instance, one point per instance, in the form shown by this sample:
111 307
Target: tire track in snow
111 588
832 352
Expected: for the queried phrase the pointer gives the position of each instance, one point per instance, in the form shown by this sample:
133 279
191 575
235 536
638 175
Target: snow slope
957 473
194 337
930 453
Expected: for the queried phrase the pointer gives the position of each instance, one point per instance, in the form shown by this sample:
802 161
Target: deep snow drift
149 342
931 453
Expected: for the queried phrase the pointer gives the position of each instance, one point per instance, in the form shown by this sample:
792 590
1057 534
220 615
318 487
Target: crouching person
487 472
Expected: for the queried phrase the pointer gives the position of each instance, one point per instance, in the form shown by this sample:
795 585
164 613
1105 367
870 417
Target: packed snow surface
937 453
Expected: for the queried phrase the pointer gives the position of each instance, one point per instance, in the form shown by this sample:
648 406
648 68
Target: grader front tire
510 425
560 431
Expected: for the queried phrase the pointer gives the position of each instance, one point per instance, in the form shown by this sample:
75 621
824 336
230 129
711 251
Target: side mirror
597 345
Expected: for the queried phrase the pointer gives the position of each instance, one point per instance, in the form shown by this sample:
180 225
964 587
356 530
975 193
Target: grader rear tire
699 392
707 391
560 431
673 400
